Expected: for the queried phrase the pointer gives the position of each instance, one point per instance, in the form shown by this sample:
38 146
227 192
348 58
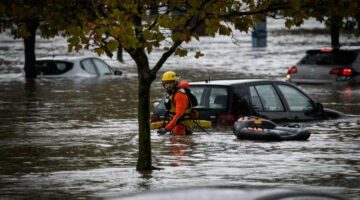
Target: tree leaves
128 23
223 30
198 54
181 52
112 45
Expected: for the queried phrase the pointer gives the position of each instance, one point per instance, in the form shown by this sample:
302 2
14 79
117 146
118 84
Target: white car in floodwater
83 66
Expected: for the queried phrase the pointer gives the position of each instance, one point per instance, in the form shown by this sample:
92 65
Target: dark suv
222 101
327 66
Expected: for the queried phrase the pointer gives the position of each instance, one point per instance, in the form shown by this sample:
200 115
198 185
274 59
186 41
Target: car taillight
292 70
347 71
326 50
226 120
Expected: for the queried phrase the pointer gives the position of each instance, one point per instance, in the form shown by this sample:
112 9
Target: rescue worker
177 105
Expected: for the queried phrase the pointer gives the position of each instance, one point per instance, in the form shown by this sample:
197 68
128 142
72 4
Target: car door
213 101
267 103
300 106
88 66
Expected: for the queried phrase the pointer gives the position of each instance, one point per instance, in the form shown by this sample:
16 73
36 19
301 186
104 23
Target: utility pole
259 34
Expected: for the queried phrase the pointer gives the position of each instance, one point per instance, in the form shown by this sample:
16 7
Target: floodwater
77 138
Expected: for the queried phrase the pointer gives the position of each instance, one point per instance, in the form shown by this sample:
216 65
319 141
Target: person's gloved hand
161 131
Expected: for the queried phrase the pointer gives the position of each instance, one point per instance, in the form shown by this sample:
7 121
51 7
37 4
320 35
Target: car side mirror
118 72
156 104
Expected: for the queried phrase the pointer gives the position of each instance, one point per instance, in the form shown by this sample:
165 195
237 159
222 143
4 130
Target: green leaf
147 35
99 51
243 23
211 27
112 45
149 49
223 30
74 40
198 54
181 52
177 36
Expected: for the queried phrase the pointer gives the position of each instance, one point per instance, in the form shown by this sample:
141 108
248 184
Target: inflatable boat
255 128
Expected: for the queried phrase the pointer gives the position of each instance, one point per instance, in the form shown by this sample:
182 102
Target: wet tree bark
30 58
335 31
119 55
145 79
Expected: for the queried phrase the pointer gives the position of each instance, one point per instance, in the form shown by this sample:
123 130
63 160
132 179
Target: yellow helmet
170 76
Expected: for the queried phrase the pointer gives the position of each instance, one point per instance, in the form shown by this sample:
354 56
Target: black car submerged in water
223 101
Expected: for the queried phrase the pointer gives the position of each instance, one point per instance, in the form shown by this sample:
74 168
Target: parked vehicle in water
223 101
83 66
327 66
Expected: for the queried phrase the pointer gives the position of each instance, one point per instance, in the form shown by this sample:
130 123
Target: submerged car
327 66
223 101
84 66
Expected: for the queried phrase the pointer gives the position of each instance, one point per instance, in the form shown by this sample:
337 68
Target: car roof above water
231 82
64 58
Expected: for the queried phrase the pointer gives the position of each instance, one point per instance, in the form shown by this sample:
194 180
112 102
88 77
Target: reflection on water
342 98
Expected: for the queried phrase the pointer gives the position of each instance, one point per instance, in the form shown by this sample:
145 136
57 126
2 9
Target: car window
218 98
241 101
88 66
102 67
52 67
329 58
296 100
255 100
269 98
199 93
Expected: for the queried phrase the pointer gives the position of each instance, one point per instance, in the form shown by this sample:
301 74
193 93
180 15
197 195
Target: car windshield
213 97
317 57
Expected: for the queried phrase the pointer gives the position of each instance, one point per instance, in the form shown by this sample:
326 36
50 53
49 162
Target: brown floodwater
78 138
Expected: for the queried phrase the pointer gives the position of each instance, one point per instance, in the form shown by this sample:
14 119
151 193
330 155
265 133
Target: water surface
77 138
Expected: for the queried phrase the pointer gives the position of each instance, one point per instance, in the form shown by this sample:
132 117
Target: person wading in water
178 104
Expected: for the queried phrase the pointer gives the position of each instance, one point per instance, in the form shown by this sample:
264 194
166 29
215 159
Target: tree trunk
145 79
30 58
144 158
119 56
335 31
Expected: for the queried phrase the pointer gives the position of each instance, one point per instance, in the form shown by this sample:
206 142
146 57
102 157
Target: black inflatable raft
254 128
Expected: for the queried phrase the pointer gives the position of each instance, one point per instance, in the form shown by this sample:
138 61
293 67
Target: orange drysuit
179 113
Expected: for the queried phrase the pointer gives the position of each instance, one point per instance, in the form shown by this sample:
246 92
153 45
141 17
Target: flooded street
77 138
